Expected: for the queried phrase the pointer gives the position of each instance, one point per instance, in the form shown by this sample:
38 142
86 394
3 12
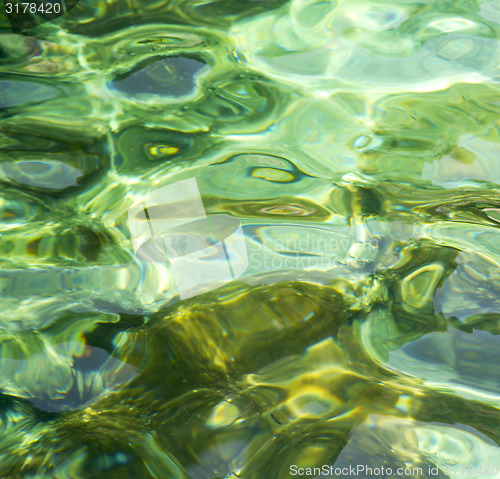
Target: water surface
357 144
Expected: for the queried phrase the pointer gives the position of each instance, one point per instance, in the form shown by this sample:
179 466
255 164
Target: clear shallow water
356 142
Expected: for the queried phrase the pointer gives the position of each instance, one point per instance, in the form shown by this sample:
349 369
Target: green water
357 143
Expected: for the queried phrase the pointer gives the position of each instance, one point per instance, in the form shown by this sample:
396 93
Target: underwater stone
164 76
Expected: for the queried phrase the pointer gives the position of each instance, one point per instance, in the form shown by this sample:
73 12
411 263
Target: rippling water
358 145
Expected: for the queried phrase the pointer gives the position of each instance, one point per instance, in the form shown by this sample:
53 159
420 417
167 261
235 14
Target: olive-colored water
358 144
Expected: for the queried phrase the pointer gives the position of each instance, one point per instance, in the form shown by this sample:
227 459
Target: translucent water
355 147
